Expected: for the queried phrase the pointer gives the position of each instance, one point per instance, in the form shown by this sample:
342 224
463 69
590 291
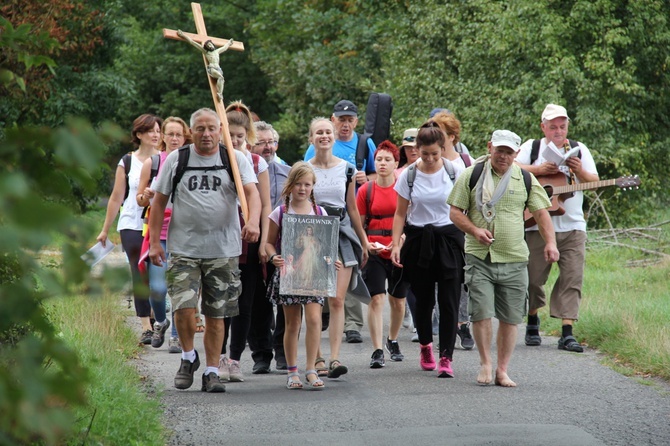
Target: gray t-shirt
205 221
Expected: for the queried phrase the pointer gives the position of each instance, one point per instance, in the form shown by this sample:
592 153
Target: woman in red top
376 202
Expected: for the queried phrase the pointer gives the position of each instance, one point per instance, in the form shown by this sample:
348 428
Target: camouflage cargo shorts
221 285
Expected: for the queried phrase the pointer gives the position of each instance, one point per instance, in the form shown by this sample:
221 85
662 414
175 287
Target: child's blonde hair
299 170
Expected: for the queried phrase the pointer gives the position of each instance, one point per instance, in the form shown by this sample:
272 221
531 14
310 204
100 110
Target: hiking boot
174 346
224 369
212 384
146 337
464 338
158 338
353 337
234 372
394 350
184 377
426 358
445 370
377 361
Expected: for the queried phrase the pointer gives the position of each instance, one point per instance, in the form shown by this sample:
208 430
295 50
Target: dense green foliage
494 63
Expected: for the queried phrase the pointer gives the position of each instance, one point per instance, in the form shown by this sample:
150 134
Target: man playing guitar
570 230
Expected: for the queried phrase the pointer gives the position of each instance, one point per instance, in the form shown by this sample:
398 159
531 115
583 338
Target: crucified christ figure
212 55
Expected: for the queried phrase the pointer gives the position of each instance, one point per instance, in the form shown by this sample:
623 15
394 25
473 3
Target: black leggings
237 328
448 296
131 241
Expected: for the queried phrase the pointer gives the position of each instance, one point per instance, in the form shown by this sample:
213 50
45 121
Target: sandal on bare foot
317 384
336 369
321 370
503 380
199 324
293 384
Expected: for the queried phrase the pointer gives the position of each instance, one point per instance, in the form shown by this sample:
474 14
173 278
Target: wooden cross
201 37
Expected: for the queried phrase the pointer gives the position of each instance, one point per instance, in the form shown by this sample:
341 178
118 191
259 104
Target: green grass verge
624 311
125 412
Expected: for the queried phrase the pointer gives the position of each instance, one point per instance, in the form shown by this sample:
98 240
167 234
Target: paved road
562 399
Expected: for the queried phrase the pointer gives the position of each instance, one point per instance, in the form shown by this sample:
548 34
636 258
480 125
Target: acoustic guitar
558 190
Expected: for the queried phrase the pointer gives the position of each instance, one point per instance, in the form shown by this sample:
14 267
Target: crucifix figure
211 53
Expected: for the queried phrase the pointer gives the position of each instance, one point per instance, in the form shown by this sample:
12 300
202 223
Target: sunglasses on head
409 138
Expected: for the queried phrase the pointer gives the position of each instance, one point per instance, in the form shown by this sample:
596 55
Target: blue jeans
158 289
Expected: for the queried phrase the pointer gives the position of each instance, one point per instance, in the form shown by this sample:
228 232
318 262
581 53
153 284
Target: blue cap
438 110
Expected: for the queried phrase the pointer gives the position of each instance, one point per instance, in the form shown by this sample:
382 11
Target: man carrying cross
204 241
211 53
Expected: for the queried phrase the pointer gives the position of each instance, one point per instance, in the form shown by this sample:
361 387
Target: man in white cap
570 229
495 193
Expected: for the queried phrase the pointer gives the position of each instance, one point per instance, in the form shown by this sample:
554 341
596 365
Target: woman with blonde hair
334 191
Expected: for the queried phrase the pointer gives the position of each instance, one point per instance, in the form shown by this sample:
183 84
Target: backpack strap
182 165
528 182
535 149
350 175
369 193
155 166
127 162
466 160
411 174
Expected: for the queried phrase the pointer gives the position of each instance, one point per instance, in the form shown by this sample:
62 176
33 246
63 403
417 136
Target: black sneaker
158 338
212 384
184 377
261 368
377 361
464 338
146 337
353 337
394 350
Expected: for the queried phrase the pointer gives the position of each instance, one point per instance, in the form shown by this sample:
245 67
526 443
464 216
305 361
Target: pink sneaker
444 370
426 358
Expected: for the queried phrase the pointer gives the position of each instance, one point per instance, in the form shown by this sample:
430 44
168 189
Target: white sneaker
224 369
235 374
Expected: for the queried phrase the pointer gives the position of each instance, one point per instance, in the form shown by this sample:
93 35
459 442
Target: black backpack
377 125
411 174
128 159
182 165
479 168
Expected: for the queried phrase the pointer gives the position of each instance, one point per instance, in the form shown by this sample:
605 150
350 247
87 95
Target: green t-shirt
508 226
